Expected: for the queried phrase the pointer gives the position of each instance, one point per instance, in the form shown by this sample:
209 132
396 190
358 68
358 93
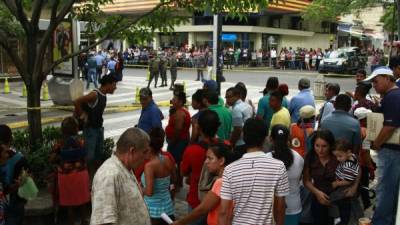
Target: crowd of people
287 57
281 161
93 65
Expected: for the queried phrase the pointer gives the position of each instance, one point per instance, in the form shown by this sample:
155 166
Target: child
367 164
12 164
346 173
72 173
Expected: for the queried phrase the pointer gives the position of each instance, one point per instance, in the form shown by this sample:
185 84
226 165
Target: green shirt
221 101
225 117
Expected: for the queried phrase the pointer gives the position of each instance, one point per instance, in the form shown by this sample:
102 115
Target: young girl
159 174
346 173
72 173
218 156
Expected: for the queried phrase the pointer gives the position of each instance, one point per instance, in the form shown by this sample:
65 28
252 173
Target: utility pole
217 64
397 3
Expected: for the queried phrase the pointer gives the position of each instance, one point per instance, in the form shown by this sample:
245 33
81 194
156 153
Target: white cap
383 70
361 113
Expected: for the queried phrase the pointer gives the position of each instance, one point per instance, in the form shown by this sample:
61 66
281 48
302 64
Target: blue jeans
292 219
388 187
177 150
92 77
94 143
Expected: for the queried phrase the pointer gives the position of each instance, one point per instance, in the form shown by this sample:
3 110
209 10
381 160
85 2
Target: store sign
229 37
344 27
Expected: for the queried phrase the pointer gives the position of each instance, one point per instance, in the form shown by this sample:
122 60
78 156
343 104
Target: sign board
229 37
374 126
62 46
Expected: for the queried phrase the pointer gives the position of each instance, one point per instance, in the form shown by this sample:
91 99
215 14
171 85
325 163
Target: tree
330 10
19 19
391 18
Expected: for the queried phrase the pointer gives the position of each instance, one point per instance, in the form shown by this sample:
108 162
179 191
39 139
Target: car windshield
336 54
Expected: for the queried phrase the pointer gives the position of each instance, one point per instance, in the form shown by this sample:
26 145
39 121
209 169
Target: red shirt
169 130
192 162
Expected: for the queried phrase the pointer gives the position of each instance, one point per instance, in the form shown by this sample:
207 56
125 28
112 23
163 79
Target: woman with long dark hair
159 174
319 173
294 165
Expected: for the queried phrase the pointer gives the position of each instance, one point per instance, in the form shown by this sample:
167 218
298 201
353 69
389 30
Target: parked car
343 60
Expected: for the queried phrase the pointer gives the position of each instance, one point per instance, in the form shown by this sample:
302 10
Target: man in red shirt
195 155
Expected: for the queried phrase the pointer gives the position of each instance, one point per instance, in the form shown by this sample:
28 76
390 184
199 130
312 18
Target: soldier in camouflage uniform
163 70
173 64
154 67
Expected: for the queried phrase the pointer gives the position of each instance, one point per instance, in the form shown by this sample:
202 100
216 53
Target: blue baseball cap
210 85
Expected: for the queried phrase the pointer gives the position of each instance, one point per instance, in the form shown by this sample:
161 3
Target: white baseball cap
383 70
361 113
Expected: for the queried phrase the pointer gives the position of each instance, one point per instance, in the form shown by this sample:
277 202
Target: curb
10 78
58 119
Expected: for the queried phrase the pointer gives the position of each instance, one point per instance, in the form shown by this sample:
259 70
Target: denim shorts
94 143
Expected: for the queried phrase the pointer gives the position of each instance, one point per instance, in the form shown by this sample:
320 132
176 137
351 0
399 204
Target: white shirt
273 53
293 201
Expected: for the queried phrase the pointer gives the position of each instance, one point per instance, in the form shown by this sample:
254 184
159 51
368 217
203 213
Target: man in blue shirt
303 98
383 80
111 65
240 113
342 124
151 115
331 91
100 62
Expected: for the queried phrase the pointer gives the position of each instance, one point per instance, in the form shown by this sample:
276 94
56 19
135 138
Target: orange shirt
212 218
298 142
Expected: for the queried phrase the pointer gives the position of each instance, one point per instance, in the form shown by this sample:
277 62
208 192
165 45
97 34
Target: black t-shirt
390 107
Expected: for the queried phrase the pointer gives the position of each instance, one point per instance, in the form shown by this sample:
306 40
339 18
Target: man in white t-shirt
273 57
256 183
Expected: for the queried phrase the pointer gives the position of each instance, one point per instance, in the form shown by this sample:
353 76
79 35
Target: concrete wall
316 41
201 37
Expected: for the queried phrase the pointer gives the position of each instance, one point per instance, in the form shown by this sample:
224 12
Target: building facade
278 26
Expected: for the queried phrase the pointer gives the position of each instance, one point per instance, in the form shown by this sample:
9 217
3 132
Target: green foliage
387 19
9 24
38 160
20 20
330 10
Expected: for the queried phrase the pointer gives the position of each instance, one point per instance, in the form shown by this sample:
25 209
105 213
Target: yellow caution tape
111 107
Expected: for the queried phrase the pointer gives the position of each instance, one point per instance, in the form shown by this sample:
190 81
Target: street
119 119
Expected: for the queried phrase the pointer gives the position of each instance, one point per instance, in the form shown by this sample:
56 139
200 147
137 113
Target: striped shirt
348 170
252 182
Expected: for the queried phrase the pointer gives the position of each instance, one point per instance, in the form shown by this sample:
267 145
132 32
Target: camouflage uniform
173 68
163 71
154 66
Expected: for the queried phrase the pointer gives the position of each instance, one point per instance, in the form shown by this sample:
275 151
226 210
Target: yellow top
281 117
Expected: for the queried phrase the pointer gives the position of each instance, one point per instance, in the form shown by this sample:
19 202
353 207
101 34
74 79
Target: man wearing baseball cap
151 115
212 85
387 191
